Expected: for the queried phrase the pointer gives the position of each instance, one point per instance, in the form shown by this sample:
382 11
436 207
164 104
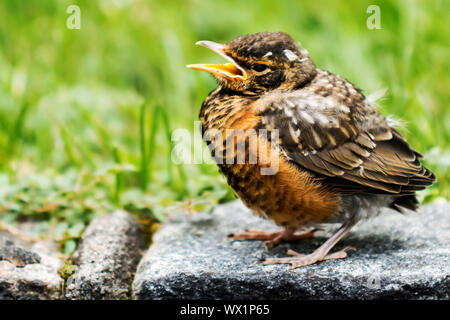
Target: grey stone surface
397 257
107 258
29 270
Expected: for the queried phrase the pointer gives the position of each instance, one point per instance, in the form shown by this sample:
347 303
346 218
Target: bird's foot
301 260
273 238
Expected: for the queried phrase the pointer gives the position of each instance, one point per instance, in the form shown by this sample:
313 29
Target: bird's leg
320 254
273 237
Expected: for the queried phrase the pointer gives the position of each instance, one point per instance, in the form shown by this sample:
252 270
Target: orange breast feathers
266 180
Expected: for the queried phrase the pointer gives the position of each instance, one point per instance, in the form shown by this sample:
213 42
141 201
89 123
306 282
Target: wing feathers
362 155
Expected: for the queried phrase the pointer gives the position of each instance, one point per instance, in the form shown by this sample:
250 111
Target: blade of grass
168 135
96 124
144 161
68 148
119 177
16 132
152 138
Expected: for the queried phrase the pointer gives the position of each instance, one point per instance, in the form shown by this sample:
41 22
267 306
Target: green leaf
76 229
60 228
69 247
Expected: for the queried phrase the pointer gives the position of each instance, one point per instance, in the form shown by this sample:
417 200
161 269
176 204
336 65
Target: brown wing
354 149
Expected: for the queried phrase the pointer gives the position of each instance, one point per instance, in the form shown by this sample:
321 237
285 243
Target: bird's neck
220 104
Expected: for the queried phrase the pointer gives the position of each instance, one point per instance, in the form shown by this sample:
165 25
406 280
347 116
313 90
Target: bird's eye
260 67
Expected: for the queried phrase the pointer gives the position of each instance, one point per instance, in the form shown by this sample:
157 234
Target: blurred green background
86 115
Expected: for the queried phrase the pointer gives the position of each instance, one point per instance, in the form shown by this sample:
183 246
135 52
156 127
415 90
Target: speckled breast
291 197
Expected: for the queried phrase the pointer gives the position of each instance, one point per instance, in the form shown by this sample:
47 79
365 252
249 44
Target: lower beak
230 70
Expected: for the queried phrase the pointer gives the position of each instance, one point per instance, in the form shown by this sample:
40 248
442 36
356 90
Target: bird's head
260 62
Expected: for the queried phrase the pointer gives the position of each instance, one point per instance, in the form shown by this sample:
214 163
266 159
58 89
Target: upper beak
230 70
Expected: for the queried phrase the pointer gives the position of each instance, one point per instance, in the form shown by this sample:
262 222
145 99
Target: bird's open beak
230 70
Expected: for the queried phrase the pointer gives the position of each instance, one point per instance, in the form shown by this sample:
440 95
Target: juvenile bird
337 158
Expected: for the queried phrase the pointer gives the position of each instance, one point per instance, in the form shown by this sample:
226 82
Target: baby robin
337 158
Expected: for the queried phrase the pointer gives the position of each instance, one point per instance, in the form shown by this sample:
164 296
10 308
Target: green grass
99 104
